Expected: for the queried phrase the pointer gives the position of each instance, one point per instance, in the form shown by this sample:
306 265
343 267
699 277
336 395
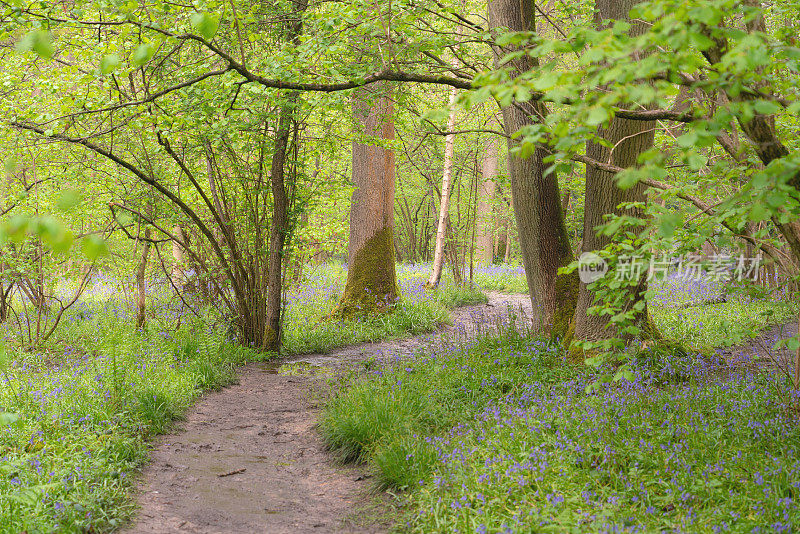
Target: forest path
248 458
759 351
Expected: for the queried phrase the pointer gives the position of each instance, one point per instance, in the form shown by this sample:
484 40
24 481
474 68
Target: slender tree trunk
371 279
140 280
629 139
280 227
452 253
507 257
449 142
484 245
178 275
537 202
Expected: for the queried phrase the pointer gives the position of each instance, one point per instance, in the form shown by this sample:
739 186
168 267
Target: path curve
248 458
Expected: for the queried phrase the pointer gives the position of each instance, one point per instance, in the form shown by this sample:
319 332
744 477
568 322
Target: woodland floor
248 457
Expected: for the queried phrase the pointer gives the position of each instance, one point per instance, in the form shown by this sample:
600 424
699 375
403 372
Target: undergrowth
82 424
76 414
310 328
502 277
504 435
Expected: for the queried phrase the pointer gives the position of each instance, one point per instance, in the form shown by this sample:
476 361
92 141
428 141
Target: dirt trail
759 351
248 457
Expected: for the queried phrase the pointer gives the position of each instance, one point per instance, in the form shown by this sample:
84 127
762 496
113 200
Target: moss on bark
566 293
371 279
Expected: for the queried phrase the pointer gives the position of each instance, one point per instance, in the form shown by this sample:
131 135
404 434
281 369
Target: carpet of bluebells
469 421
684 309
76 413
678 310
504 435
66 463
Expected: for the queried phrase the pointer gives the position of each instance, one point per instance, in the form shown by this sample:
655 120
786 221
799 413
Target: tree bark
629 139
178 275
449 142
484 245
140 281
280 227
371 279
537 202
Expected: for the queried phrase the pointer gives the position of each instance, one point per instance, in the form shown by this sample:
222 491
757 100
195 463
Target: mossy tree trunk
535 195
371 279
629 139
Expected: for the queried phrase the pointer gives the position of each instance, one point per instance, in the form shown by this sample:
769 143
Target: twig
234 472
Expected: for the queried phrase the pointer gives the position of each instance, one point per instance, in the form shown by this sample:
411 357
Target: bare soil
248 458
759 352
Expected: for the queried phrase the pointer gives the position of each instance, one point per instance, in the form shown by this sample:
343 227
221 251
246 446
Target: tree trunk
280 227
371 279
629 139
178 276
484 243
140 282
449 142
507 257
537 202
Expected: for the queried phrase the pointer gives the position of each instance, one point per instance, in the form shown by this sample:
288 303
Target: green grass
378 417
309 328
505 278
721 325
87 403
69 459
501 435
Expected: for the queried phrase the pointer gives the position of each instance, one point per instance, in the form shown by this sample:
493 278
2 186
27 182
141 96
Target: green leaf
109 63
628 178
17 227
696 161
11 165
688 139
668 223
143 53
39 41
204 24
597 115
436 115
596 361
94 247
7 418
758 212
62 242
766 107
624 374
68 199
